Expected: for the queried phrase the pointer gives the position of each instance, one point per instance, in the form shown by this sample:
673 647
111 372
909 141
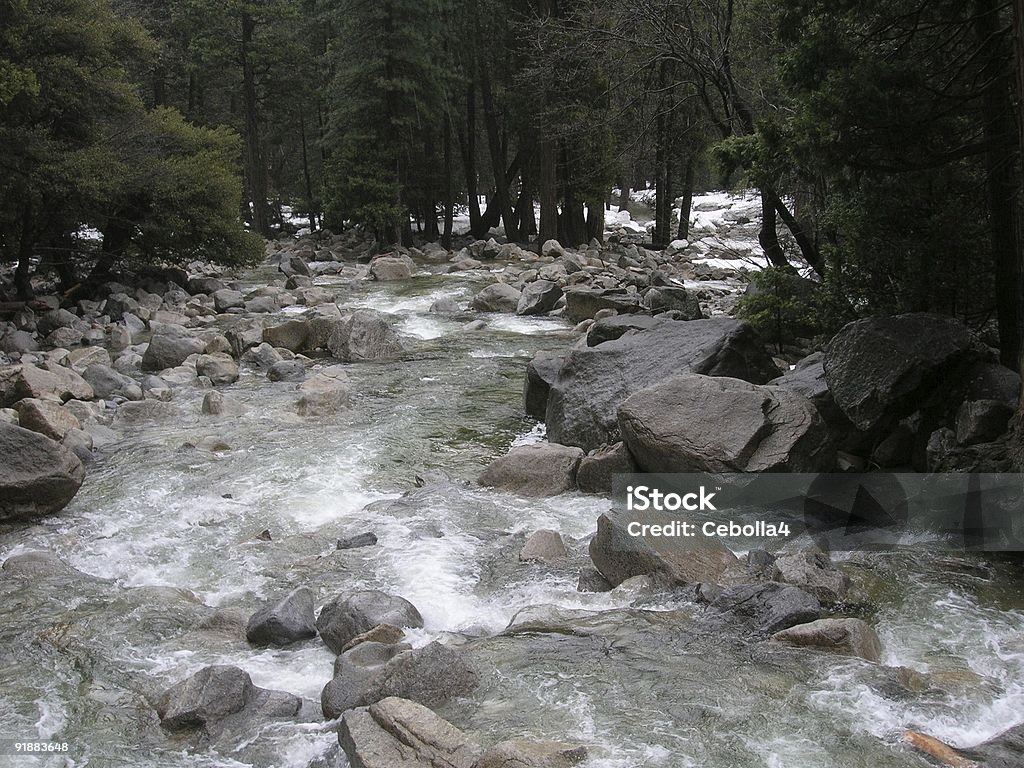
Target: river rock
593 382
37 475
883 368
82 357
262 357
287 370
617 326
364 334
217 404
70 385
283 622
598 468
204 285
247 334
169 347
384 634
431 676
55 319
665 298
1003 751
544 546
108 383
47 418
219 368
808 379
385 268
347 616
541 373
538 297
982 421
396 733
694 423
619 556
367 539
288 335
852 637
18 343
544 469
769 608
522 753
584 303
221 698
226 299
324 393
496 297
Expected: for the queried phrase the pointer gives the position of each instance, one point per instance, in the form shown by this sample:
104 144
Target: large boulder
220 368
496 297
169 347
370 672
396 733
291 334
543 469
768 608
814 573
364 334
347 616
324 393
283 621
853 637
694 423
620 556
808 379
671 297
598 468
386 268
37 475
583 303
221 700
541 373
593 382
883 368
538 297
108 383
47 418
617 326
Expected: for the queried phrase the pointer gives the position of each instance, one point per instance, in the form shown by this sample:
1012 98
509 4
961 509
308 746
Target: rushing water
169 538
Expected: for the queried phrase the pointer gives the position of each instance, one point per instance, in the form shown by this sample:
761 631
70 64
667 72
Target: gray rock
169 347
544 546
47 418
283 622
219 368
294 265
598 468
769 608
220 705
884 368
347 616
287 370
262 357
108 383
496 297
262 305
80 443
226 299
669 297
541 373
54 319
358 541
395 733
544 469
324 393
431 676
70 385
593 382
364 334
619 556
614 327
217 404
982 421
18 343
83 357
991 381
205 285
385 268
584 303
814 573
1004 751
291 334
852 637
445 306
538 297
522 753
694 423
37 475
244 336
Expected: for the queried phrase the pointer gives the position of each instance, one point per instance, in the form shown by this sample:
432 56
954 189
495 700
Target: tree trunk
501 194
624 195
1002 183
26 246
310 204
255 168
686 208
768 237
449 192
548 190
807 247
595 219
467 146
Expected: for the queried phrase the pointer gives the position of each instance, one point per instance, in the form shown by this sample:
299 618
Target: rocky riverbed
317 522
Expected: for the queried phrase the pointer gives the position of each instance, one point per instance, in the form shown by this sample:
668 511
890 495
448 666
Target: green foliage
781 306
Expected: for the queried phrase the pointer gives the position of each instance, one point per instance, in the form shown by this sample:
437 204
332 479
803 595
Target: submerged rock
543 545
853 637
